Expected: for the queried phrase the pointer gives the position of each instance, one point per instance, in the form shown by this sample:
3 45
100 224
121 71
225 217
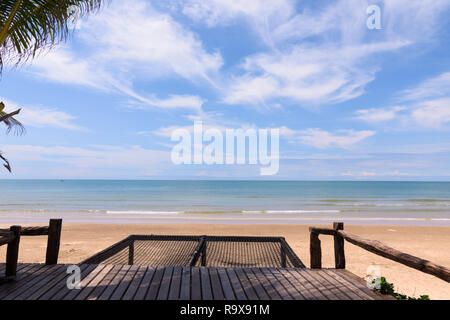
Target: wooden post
204 254
339 254
283 257
131 253
315 251
54 238
12 252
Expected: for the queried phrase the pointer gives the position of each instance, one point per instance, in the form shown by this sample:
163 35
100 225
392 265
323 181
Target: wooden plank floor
113 282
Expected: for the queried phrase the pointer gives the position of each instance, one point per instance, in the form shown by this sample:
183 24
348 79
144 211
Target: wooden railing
12 237
373 246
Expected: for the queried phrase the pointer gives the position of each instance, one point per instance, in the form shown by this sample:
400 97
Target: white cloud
42 117
426 105
327 54
431 88
321 74
323 139
137 37
262 15
369 174
172 102
359 174
375 115
314 137
418 21
129 41
318 56
433 113
89 160
61 65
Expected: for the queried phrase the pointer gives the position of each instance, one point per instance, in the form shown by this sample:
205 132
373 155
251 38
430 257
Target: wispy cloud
95 161
324 73
375 115
323 139
317 56
127 41
43 117
262 15
426 105
432 88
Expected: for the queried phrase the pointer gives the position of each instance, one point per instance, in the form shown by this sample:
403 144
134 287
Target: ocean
110 201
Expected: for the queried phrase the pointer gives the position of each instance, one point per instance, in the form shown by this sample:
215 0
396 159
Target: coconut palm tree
27 26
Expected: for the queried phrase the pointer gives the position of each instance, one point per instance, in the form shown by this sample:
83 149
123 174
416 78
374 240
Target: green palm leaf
29 25
9 120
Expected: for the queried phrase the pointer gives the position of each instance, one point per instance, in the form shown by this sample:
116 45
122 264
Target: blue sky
351 103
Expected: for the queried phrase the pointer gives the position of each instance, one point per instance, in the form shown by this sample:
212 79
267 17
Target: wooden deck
114 282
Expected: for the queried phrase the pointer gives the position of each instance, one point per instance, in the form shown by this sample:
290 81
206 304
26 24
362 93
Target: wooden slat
361 284
59 291
60 277
287 285
109 282
104 283
307 294
350 287
39 275
256 284
84 283
216 284
175 285
246 284
23 271
226 284
307 284
196 285
276 284
164 288
153 290
308 274
51 286
21 280
84 293
339 289
237 287
115 282
266 284
145 284
47 281
124 284
185 292
135 284
206 284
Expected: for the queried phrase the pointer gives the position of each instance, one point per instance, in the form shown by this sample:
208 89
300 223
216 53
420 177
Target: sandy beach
80 241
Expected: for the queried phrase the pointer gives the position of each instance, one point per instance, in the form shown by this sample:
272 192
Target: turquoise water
226 201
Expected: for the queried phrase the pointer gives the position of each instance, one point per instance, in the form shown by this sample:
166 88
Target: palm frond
11 122
6 162
29 25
